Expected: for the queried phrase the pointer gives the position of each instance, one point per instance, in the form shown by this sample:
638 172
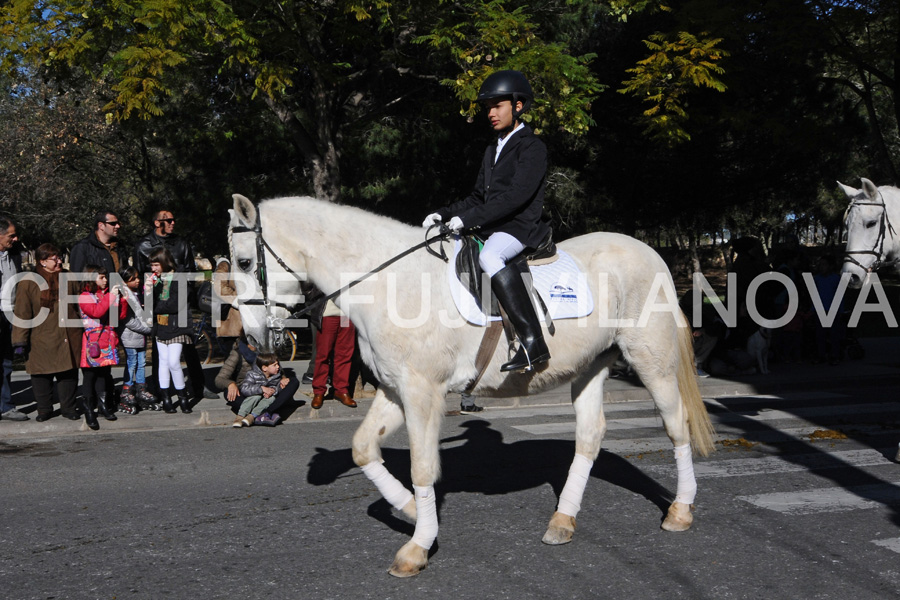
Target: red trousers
342 341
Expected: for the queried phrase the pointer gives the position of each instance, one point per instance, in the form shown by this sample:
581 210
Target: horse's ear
851 192
869 188
244 211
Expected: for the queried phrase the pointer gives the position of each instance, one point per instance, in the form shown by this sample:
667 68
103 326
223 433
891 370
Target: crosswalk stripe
790 463
822 500
799 414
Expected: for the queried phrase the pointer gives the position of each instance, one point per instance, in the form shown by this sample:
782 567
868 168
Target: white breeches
497 251
170 365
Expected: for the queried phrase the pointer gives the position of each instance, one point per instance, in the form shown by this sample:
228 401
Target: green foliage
481 37
666 78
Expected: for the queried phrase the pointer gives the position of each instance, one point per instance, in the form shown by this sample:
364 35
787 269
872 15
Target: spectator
829 338
228 323
10 264
52 350
163 236
134 331
172 328
233 373
101 247
259 389
99 341
467 404
337 337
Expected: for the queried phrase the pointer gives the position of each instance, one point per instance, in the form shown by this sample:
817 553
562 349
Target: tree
323 69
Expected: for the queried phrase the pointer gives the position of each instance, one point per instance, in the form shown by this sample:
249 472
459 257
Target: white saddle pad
561 284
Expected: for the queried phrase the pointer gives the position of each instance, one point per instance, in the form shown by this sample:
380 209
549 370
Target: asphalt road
801 501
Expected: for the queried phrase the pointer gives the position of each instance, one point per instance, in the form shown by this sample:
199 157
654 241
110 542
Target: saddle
471 275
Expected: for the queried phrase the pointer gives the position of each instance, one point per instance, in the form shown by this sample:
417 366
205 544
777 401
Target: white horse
412 338
872 241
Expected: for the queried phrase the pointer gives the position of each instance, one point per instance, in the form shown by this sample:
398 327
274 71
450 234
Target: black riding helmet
507 84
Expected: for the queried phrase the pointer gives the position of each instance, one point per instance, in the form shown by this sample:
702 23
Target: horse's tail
699 425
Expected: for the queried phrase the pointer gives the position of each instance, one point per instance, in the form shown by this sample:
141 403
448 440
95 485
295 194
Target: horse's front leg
590 426
424 408
384 418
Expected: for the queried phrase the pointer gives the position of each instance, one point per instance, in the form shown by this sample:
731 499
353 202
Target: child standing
259 388
99 341
172 327
134 332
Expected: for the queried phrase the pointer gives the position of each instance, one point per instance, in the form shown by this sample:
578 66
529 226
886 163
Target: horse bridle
261 273
878 250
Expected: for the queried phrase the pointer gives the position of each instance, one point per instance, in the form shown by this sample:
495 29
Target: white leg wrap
573 491
687 485
426 516
391 489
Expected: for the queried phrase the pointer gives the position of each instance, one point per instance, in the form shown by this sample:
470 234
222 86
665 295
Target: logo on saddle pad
562 293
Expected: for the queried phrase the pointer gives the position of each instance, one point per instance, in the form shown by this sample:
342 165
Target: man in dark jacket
506 208
163 236
101 247
10 264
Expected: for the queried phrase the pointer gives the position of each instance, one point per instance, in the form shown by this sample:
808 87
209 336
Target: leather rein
262 273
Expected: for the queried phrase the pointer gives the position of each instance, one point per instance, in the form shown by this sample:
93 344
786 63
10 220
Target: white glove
455 224
431 220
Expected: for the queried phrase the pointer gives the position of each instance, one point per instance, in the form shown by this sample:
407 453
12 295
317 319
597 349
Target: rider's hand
232 392
267 392
284 381
455 224
431 220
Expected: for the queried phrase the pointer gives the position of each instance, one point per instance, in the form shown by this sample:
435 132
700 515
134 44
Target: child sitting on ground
258 389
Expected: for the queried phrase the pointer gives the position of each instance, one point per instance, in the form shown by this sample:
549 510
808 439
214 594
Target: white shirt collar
502 141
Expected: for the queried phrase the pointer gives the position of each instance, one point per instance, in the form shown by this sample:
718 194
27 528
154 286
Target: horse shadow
485 464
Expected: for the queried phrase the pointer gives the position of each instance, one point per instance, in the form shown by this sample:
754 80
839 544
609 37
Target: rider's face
500 113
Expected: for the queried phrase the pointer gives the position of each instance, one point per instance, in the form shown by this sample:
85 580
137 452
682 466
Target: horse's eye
244 264
871 224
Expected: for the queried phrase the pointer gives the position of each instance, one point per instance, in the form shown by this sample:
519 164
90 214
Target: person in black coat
101 247
506 208
163 236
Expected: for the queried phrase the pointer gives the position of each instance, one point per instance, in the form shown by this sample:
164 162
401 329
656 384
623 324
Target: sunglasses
112 223
166 220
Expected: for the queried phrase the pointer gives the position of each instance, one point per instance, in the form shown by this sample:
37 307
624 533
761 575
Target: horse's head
265 290
868 227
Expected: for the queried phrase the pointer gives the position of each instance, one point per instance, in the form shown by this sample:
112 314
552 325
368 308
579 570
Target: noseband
877 251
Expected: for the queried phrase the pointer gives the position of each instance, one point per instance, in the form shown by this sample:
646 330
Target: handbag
93 348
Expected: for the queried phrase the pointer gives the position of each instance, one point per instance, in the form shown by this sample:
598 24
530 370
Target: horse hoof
679 517
410 560
560 530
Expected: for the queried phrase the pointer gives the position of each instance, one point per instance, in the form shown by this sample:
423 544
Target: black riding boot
510 290
167 402
89 417
104 410
184 401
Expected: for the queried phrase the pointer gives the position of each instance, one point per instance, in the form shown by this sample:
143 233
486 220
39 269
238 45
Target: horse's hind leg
384 418
659 373
590 426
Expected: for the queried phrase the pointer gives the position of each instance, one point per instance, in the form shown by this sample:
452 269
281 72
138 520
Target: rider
506 208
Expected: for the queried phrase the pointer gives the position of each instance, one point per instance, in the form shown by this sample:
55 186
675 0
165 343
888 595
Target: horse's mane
332 216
